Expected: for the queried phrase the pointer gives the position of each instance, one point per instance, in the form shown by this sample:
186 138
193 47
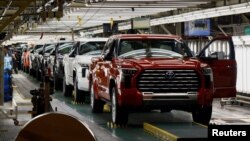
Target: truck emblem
170 75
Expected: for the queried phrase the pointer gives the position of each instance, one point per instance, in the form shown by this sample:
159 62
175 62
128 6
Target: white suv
76 67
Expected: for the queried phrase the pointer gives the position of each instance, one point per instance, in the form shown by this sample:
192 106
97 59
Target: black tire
202 114
30 72
27 70
24 69
119 114
33 72
38 75
57 83
166 110
79 96
67 89
87 97
96 104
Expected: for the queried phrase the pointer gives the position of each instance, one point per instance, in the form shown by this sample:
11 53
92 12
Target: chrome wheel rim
64 85
92 97
75 89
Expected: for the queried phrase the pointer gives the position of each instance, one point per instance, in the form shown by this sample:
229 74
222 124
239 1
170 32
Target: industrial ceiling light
201 14
119 9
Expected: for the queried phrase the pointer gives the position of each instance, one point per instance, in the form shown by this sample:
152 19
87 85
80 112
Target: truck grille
168 81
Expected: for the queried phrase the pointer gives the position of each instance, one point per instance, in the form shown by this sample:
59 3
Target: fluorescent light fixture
201 14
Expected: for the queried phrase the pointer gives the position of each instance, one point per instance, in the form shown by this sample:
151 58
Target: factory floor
231 113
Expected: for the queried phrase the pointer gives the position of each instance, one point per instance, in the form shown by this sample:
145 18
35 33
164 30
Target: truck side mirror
217 55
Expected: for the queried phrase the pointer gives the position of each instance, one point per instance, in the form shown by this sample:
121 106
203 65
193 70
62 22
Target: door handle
229 66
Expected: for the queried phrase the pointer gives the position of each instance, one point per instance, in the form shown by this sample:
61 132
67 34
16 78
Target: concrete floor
99 123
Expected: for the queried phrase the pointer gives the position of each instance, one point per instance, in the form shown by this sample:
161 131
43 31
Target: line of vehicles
133 72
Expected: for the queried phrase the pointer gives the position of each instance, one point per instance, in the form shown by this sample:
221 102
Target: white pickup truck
76 67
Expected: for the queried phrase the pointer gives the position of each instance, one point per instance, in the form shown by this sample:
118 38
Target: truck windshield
65 48
49 48
38 47
91 48
153 48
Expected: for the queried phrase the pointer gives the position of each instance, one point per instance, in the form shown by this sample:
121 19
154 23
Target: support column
1 75
178 29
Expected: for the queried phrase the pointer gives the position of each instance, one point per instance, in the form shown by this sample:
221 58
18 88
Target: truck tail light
208 74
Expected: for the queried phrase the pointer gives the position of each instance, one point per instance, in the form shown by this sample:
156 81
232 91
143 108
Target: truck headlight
126 75
85 67
129 71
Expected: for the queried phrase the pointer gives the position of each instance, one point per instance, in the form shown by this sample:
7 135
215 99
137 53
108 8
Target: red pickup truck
150 71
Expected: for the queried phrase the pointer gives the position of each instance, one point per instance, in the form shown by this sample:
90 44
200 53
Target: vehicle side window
218 50
106 48
53 52
108 51
111 46
73 50
64 50
49 48
84 48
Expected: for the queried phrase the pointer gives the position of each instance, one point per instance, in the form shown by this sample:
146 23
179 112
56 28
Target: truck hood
162 63
84 59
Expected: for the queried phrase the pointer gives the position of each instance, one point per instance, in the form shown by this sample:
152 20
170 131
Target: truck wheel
119 114
96 104
166 110
57 82
67 89
38 75
34 73
78 94
202 114
30 72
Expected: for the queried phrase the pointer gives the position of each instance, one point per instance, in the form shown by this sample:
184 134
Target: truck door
219 54
70 62
105 68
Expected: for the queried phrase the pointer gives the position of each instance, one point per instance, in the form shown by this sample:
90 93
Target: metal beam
245 18
222 30
20 10
14 3
165 29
